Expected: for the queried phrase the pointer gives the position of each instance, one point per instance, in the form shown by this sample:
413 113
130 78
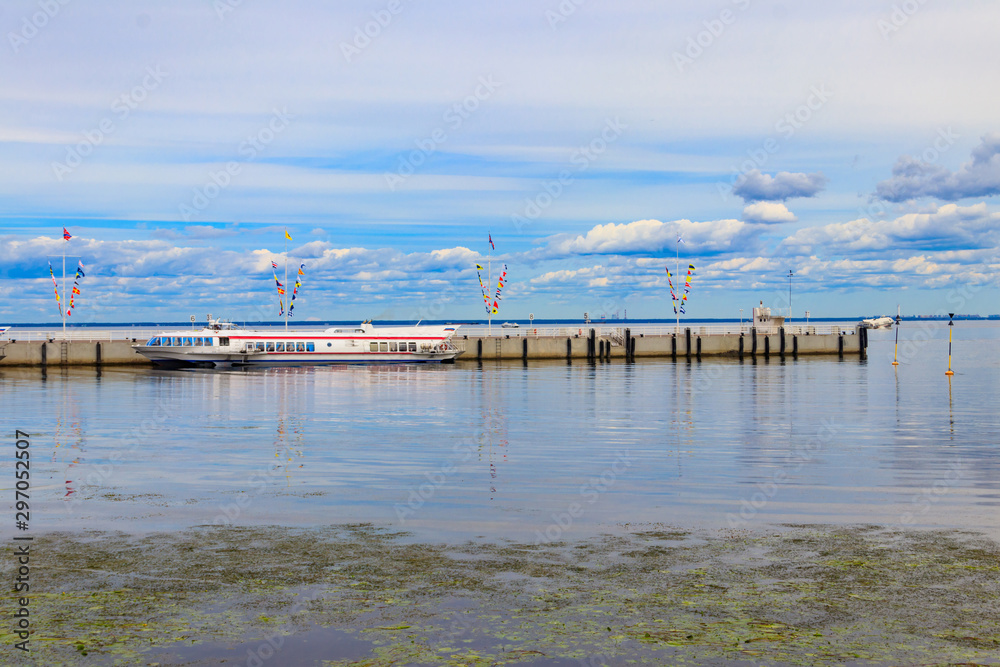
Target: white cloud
755 186
651 237
913 178
947 227
768 213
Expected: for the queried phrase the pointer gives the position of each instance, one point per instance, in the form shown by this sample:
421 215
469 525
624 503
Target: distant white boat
223 344
510 325
877 323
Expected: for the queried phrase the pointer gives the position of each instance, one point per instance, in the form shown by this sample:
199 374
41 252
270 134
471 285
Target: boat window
201 341
413 346
210 342
279 347
384 347
224 342
300 347
392 346
260 347
374 347
188 341
290 346
153 342
249 347
270 346
175 341
310 347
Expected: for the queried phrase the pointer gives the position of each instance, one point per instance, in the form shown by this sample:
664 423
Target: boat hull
363 345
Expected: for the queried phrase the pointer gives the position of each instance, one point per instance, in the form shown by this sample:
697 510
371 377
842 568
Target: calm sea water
536 452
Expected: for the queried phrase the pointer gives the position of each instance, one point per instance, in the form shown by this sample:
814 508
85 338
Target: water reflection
159 448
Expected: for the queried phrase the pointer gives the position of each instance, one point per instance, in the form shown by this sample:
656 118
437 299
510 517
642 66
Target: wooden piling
741 346
524 348
781 336
753 342
687 344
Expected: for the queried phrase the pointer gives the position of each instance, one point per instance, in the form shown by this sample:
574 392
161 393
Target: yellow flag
287 235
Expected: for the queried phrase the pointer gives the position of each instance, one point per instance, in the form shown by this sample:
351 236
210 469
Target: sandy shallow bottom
359 595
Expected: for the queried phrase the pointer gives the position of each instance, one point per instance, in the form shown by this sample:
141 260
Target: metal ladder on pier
498 348
63 352
617 337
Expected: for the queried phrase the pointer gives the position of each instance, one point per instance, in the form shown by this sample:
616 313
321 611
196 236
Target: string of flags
482 286
76 286
281 289
55 285
75 291
500 284
491 302
295 290
680 301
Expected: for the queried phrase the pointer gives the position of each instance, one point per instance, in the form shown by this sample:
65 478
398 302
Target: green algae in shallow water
808 596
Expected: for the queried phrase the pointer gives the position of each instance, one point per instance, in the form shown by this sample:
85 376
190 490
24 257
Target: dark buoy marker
951 323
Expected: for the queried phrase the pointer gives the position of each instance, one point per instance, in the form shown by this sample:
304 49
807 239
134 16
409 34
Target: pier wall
580 344
688 343
70 353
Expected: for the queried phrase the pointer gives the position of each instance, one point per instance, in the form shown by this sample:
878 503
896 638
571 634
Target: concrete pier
70 353
687 343
524 344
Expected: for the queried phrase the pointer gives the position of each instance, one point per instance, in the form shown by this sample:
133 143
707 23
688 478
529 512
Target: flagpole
286 275
677 272
489 285
62 306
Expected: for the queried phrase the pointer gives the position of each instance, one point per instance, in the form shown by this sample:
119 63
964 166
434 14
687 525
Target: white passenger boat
877 323
223 344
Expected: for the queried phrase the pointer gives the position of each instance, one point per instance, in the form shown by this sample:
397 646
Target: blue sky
854 143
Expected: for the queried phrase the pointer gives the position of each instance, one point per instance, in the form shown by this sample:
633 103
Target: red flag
491 242
66 234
